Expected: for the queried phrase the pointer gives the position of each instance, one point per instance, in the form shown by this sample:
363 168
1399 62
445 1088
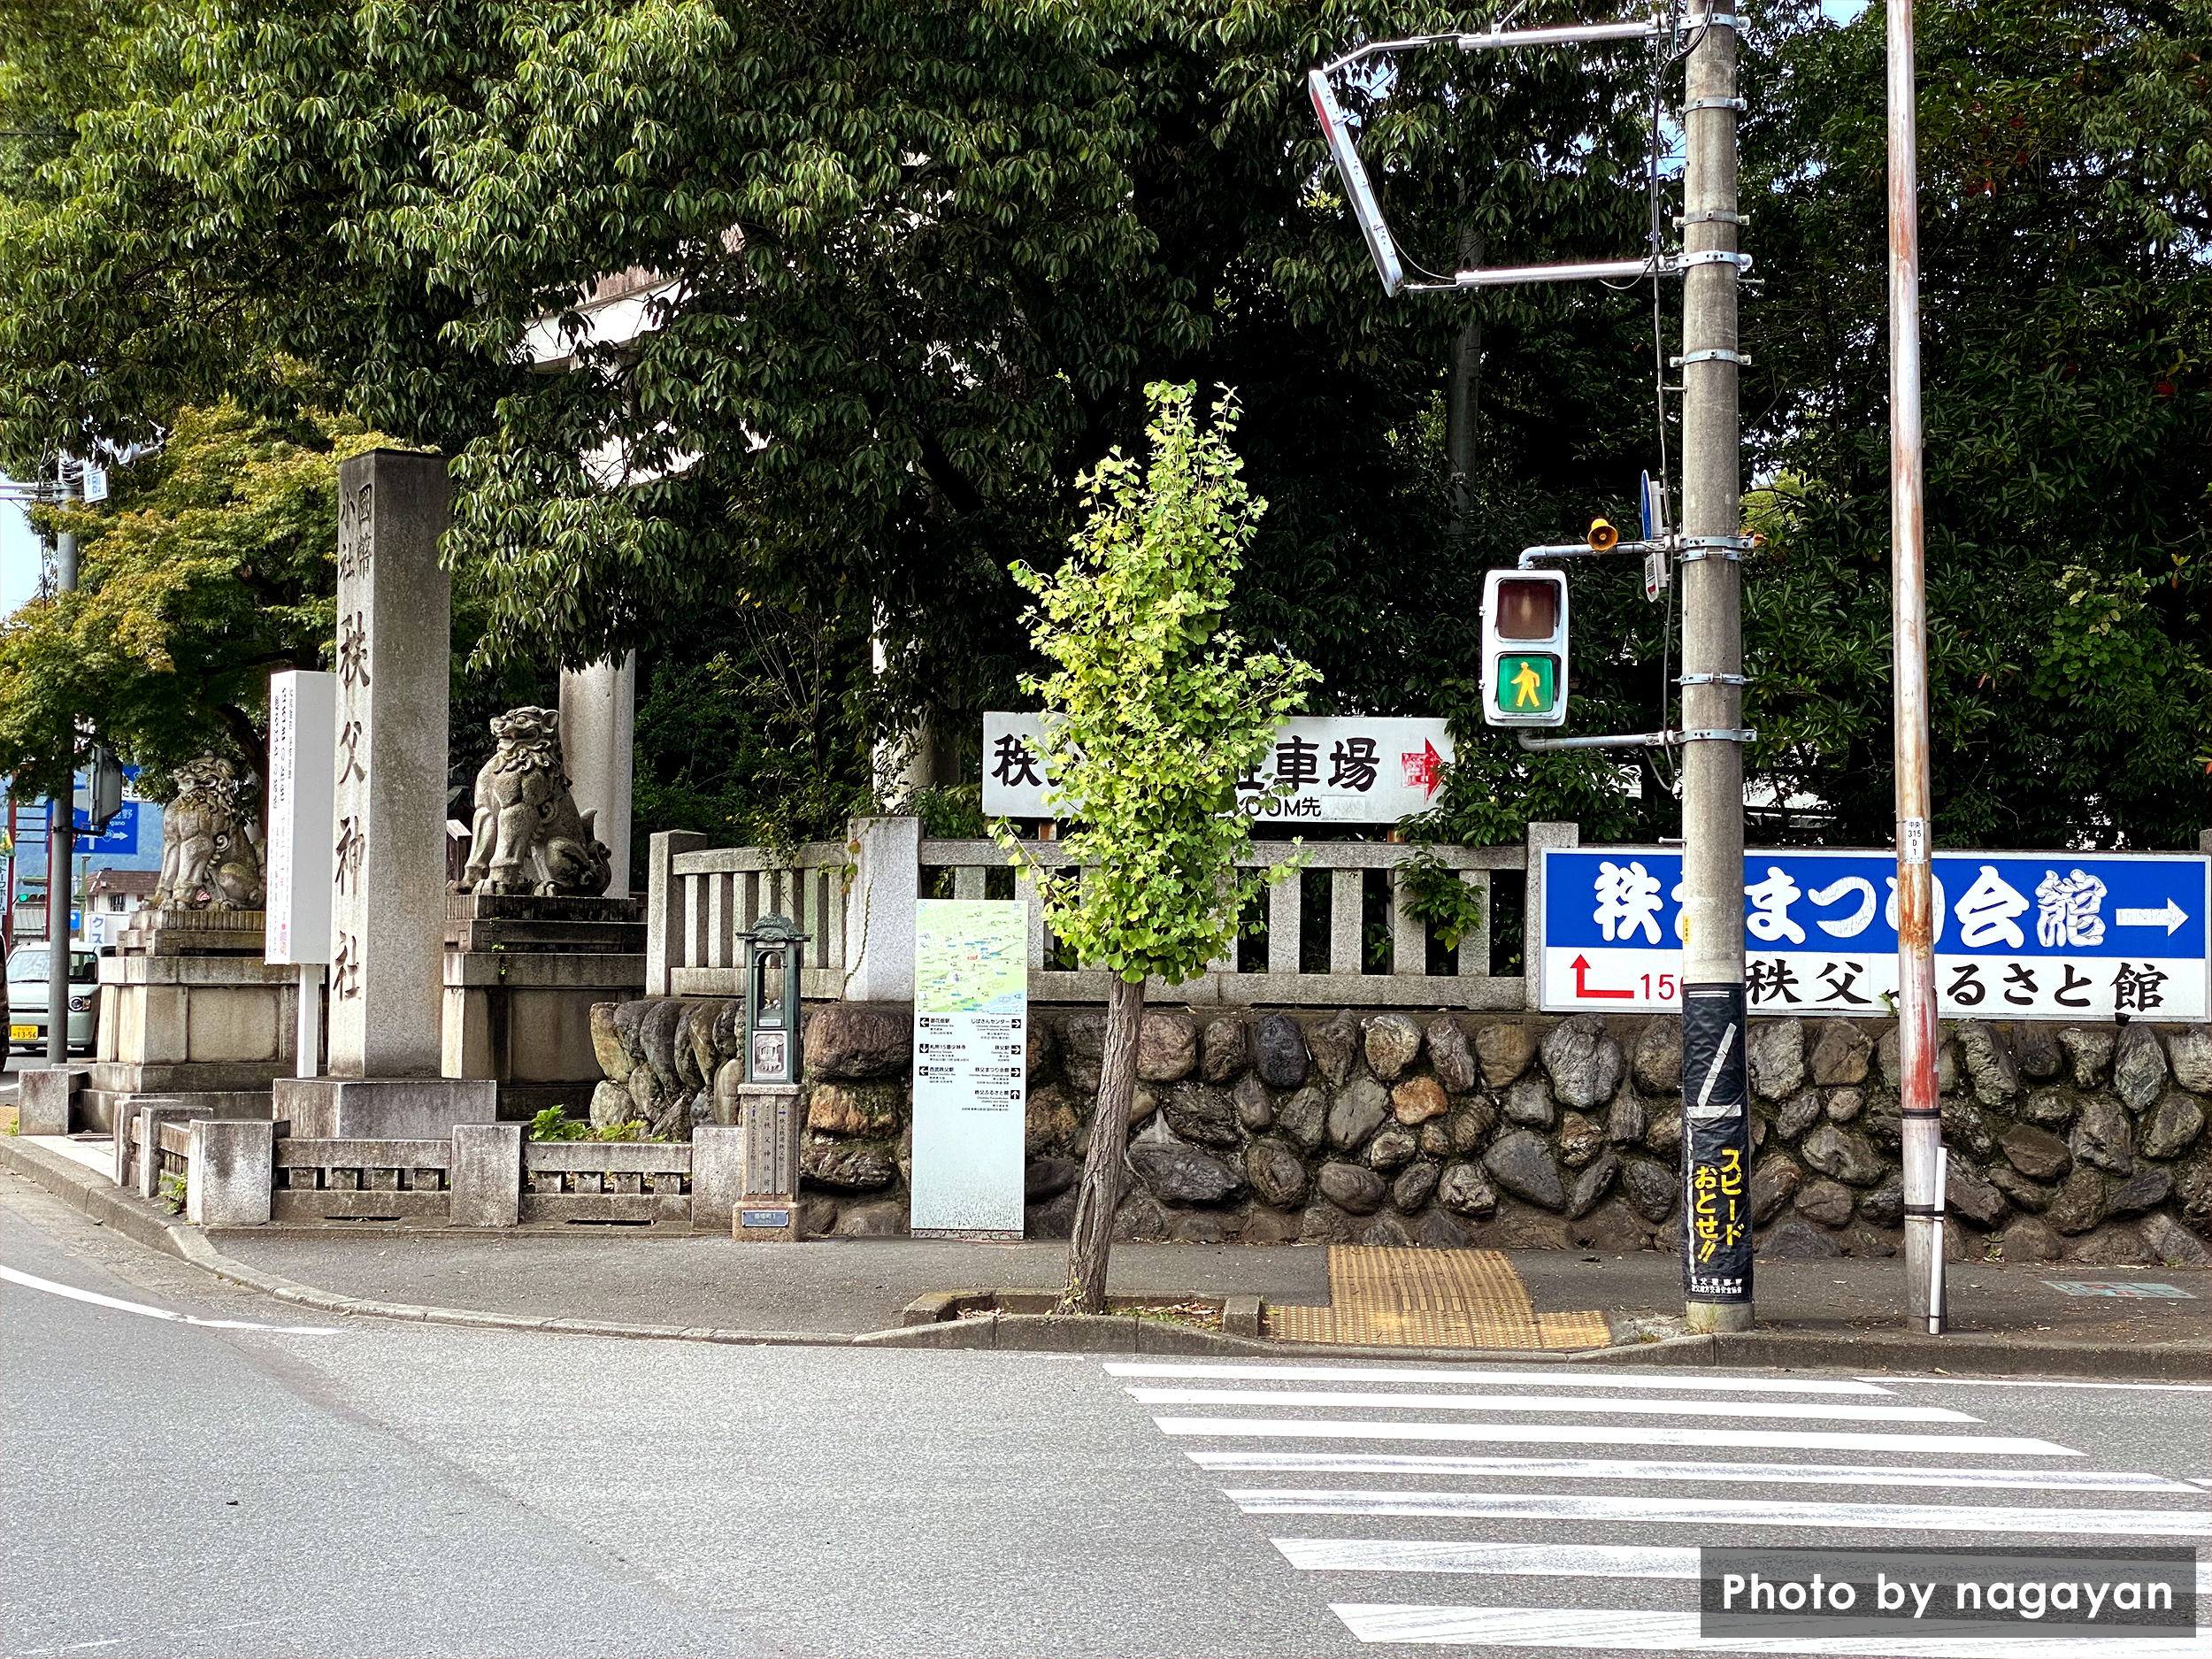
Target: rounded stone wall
2081 1143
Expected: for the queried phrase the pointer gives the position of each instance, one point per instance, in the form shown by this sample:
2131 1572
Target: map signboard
119 837
1341 769
971 1067
2018 935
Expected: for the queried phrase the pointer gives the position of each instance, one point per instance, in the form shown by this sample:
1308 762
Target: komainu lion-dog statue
209 858
527 836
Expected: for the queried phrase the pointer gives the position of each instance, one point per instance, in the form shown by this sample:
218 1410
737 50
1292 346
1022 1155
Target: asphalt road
168 1487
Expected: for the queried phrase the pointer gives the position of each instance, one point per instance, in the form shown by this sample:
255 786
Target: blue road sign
120 836
2018 935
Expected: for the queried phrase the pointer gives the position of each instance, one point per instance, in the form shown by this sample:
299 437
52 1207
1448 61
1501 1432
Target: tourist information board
2018 935
971 1067
1341 769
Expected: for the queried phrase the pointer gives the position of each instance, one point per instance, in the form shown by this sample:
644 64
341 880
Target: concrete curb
1784 1349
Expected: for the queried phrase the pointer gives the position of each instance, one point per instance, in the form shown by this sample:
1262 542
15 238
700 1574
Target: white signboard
1343 769
971 1067
2057 936
303 734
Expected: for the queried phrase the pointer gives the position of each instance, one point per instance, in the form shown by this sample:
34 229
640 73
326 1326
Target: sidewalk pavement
1839 1313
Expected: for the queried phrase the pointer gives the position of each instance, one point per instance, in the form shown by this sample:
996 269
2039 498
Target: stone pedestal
521 974
189 1012
383 1108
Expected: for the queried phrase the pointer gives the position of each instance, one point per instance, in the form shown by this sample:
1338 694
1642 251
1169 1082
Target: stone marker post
387 901
388 894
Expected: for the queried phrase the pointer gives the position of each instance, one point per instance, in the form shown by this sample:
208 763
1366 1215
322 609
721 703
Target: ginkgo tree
1154 710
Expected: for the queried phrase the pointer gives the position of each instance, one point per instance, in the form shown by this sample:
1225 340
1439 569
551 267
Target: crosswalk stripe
1785 1409
2015 1382
1587 1439
1633 1630
1466 1374
1698 1438
1535 1561
1641 1469
1550 1506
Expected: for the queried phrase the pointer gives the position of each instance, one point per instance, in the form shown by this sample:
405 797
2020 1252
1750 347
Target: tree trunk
1104 1166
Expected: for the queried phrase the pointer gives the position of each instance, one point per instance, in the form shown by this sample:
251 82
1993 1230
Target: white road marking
1582 1506
1535 1560
1698 1438
2009 1382
1796 1409
1638 1468
1633 1630
1467 1374
14 1275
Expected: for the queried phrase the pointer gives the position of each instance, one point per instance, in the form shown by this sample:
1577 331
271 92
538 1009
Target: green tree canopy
210 569
916 262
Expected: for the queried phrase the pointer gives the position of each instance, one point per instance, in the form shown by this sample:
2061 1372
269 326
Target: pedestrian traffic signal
1524 646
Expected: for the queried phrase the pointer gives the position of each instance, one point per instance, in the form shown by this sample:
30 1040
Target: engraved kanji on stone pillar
387 838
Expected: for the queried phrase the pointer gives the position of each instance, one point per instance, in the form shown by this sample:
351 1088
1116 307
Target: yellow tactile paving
1414 1298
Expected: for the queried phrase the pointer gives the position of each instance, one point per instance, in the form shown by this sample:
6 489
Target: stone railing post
664 908
44 1094
233 1171
1540 835
143 1115
879 909
718 1175
484 1183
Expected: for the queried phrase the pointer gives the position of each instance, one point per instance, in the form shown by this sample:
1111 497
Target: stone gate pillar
598 736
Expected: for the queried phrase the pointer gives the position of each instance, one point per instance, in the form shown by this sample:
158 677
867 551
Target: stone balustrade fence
855 899
242 1172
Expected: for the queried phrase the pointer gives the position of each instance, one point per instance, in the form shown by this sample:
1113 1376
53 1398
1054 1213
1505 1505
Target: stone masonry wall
2084 1143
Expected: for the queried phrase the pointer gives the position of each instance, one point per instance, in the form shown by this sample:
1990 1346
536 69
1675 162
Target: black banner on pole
1716 1146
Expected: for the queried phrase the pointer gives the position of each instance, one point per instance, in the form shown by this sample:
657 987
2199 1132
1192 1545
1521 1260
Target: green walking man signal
1527 685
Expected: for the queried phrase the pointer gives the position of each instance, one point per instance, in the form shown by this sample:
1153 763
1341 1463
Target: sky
19 558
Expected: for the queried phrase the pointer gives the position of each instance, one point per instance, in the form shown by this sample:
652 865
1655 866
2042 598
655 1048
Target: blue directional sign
120 836
2018 935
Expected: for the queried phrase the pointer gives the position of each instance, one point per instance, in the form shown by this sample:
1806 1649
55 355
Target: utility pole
61 839
1717 1123
1923 1129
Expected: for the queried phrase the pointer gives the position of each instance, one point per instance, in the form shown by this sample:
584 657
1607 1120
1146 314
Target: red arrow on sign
1582 966
1424 769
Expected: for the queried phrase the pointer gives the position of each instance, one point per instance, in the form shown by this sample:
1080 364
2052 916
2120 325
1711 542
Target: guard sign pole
1922 1133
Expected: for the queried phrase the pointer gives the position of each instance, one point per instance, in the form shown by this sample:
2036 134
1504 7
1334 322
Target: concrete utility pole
1923 1133
1717 1140
61 841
